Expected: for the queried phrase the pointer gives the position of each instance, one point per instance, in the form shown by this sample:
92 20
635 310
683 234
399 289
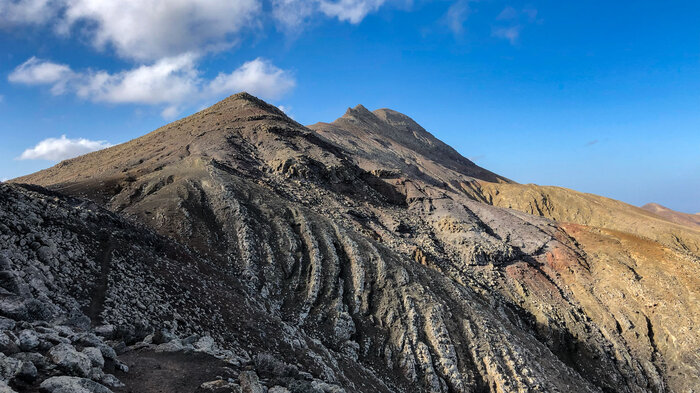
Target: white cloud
151 29
258 77
169 80
56 149
509 33
456 16
148 30
172 81
18 12
352 11
40 72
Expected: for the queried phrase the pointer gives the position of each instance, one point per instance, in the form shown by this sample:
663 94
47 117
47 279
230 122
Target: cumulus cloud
19 12
40 72
258 77
56 149
151 29
456 16
173 82
169 80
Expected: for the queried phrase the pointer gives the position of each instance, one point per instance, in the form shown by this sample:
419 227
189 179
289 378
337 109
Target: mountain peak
385 139
359 112
221 132
243 100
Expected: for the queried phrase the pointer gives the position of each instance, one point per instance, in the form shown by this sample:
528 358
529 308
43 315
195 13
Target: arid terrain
236 250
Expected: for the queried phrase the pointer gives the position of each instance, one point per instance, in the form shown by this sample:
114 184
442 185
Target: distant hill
692 220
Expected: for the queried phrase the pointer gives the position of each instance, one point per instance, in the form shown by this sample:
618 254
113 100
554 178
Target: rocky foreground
237 250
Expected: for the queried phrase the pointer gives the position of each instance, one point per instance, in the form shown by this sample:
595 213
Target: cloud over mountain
171 81
57 149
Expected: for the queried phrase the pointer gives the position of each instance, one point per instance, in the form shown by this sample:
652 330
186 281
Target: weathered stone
28 371
111 381
28 340
9 368
205 344
72 384
69 359
107 331
7 344
163 336
95 356
250 383
37 359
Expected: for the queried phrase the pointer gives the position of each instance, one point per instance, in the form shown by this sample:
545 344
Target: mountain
362 255
390 143
692 220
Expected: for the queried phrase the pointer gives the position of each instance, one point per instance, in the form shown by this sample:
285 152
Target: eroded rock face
107 270
372 269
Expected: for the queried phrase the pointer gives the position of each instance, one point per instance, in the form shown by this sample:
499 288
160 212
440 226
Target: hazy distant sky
598 96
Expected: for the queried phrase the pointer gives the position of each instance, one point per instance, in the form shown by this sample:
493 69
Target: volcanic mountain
362 255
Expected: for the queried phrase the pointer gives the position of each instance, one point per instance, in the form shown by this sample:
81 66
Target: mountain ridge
399 264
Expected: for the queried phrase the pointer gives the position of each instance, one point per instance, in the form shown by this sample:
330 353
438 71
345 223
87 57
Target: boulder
37 359
69 359
111 381
72 384
163 336
27 371
95 356
250 383
8 346
28 340
9 368
172 346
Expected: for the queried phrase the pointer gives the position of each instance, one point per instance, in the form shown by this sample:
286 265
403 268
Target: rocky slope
361 252
93 303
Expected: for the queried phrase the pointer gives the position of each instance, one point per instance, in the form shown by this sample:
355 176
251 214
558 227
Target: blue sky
601 97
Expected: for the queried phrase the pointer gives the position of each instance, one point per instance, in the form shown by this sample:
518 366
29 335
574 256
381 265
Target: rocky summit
237 250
